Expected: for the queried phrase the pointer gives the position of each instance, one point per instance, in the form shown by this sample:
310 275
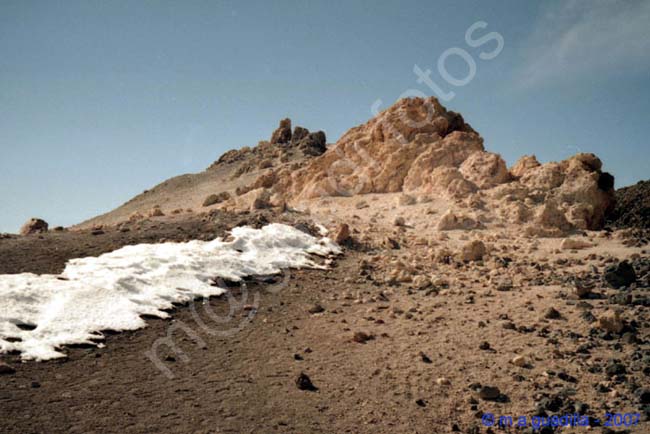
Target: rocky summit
420 148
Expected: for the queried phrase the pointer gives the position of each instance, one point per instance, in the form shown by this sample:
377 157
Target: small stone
504 285
484 346
489 393
425 358
362 337
519 361
581 291
442 381
342 234
399 221
552 313
317 308
615 367
303 382
406 200
6 369
643 395
391 243
421 282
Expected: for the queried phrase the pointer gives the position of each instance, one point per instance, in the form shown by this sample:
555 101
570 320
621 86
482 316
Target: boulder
620 275
574 244
299 133
611 321
342 234
314 144
156 212
406 200
549 222
214 199
473 251
6 369
252 200
451 221
265 180
34 226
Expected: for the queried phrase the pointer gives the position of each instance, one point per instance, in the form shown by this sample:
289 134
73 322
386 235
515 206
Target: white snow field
112 291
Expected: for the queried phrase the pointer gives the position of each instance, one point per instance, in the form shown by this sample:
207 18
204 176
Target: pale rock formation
485 169
377 157
524 165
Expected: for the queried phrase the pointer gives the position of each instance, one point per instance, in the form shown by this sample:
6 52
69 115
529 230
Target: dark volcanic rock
314 144
6 369
304 383
299 133
620 275
489 392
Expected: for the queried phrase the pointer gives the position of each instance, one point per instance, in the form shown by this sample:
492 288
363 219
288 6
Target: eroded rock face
395 151
34 226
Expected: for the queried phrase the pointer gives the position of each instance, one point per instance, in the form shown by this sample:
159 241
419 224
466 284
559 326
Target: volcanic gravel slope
632 207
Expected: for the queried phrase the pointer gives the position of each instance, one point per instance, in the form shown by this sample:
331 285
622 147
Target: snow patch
40 313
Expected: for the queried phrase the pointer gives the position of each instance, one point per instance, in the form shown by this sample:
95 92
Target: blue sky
101 100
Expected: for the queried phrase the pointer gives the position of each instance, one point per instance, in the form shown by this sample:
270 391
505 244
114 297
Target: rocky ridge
420 148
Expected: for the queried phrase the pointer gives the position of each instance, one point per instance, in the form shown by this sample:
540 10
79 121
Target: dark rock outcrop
282 134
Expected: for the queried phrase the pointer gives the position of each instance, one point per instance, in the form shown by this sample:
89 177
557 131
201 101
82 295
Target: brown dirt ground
245 381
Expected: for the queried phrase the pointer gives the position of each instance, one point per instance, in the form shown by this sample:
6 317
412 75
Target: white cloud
588 39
